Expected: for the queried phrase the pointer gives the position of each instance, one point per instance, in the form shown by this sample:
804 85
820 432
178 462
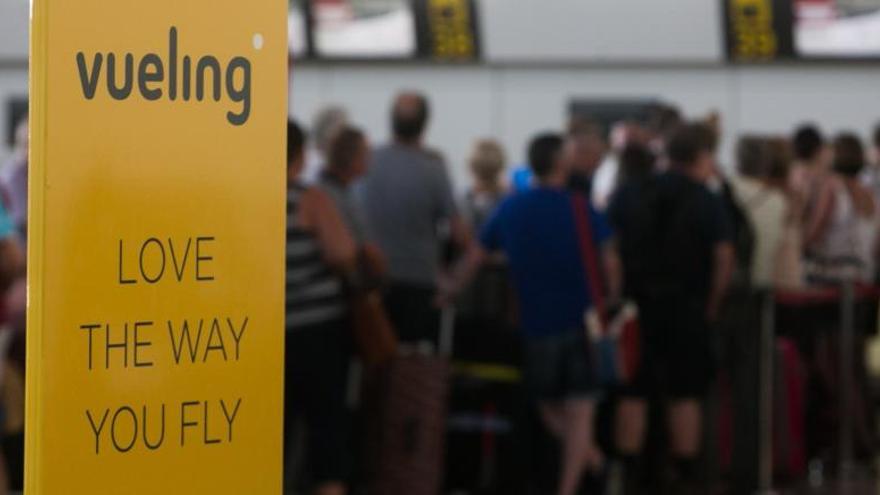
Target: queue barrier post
846 353
765 401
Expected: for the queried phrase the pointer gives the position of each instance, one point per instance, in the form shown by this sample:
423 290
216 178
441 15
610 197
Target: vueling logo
157 78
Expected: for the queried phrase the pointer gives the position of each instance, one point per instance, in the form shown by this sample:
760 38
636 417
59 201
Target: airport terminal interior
536 247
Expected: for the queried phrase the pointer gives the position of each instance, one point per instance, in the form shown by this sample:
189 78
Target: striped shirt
314 292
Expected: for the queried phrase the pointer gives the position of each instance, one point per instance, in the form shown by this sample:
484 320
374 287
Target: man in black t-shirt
676 248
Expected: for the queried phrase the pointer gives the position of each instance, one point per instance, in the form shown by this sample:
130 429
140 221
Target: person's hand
595 459
446 292
374 262
712 310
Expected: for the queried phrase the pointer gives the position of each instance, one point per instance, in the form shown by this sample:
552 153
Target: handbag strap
580 207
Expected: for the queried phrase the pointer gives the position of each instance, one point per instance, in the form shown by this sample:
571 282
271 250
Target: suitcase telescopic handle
447 332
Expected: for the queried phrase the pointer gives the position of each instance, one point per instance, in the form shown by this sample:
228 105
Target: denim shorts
559 367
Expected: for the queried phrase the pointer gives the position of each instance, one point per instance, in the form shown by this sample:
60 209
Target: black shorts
559 368
678 351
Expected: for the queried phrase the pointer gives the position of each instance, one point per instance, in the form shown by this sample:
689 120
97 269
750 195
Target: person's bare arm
819 219
337 244
461 234
12 261
721 274
462 274
463 269
374 261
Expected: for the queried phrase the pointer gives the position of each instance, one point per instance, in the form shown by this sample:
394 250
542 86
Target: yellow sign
753 35
156 250
452 35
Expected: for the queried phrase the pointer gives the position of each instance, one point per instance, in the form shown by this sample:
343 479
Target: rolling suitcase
790 450
485 451
411 420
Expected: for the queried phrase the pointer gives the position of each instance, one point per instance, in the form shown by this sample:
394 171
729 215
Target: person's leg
631 416
685 428
630 426
325 409
292 403
691 363
629 437
543 376
580 453
685 419
632 413
553 418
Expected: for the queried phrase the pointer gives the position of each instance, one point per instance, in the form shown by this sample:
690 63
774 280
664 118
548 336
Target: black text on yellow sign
451 27
197 78
753 36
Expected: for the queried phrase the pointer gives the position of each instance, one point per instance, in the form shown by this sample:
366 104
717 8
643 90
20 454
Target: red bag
615 338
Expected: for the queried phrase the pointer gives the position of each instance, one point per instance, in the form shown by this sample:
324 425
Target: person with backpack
677 253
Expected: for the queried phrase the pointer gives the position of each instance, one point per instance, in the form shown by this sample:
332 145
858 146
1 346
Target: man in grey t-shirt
407 198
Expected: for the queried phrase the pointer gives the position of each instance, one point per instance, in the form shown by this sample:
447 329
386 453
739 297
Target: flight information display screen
766 30
837 28
364 29
443 30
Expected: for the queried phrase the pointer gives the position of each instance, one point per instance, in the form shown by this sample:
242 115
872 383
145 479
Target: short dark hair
296 140
778 158
544 151
877 135
750 157
807 142
579 125
410 125
849 155
686 144
664 119
636 162
344 147
763 157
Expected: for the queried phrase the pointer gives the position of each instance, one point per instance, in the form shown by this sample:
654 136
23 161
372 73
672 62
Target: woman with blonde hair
486 163
487 299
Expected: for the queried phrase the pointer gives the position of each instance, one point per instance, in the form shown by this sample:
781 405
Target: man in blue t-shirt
536 231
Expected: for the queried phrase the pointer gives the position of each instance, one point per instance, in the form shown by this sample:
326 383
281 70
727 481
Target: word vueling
170 78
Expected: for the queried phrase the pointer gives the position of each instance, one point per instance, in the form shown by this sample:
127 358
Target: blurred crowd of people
688 242
640 215
13 303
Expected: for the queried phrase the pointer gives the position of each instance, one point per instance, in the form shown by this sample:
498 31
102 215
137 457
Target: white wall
13 29
512 103
602 30
13 84
13 59
545 52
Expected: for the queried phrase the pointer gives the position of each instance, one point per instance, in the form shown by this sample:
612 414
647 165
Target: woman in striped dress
320 254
